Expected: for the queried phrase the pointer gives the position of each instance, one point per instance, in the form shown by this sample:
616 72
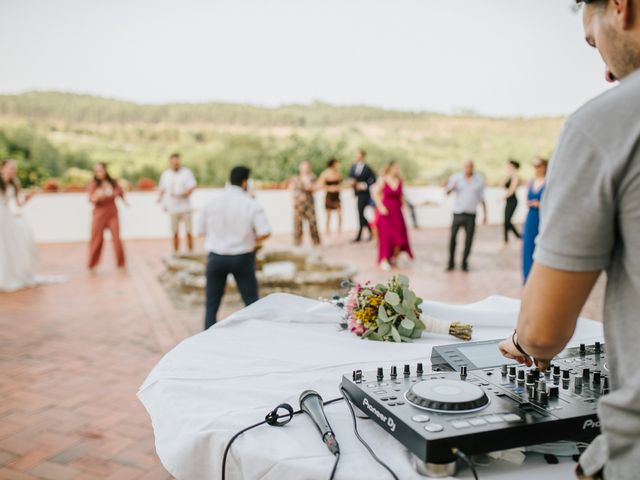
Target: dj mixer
468 405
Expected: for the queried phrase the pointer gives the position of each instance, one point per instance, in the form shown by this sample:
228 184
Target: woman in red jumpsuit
103 192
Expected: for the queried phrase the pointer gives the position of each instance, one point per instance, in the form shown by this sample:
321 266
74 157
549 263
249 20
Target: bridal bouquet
391 312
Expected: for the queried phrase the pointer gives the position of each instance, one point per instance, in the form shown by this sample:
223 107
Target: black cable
463 456
335 466
347 399
272 419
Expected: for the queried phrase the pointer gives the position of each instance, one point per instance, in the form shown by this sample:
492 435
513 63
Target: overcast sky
498 57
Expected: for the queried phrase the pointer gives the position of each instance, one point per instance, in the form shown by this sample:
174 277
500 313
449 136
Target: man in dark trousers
233 222
362 177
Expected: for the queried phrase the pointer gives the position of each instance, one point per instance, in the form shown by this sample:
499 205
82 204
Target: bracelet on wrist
517 345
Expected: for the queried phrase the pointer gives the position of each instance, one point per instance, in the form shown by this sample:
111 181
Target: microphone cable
275 419
347 399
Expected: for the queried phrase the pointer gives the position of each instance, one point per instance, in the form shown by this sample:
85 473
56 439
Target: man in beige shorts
176 186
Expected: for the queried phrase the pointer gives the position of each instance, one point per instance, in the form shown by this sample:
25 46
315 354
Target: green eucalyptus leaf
395 335
392 298
403 280
384 329
406 339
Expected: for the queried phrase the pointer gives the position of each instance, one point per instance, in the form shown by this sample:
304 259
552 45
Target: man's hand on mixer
509 350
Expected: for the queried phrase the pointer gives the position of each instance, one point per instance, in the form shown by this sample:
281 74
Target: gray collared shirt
469 192
591 222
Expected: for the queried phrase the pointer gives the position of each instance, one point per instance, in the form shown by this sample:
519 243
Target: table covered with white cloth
217 382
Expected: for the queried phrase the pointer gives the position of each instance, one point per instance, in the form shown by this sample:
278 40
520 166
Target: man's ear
626 12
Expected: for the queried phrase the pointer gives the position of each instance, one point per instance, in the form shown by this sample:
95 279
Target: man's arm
485 218
551 302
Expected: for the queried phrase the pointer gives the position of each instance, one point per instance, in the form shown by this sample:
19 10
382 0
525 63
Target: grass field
60 135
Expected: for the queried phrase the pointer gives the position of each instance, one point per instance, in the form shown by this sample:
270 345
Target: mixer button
399 403
493 419
461 424
512 417
384 384
380 392
391 404
434 428
384 399
393 398
476 422
421 418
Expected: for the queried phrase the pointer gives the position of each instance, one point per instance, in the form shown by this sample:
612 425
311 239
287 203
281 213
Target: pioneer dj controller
479 410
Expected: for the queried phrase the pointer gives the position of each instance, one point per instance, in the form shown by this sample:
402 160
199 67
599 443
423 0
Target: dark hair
107 177
514 163
174 155
332 162
239 175
13 181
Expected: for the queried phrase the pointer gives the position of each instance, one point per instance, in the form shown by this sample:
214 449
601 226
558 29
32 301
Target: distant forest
59 136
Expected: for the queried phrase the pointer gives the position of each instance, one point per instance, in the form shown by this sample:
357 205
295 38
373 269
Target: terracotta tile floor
72 355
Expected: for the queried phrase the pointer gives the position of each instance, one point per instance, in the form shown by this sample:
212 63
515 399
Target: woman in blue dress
532 223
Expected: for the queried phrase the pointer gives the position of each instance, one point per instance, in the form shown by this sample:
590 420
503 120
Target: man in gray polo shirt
590 223
469 189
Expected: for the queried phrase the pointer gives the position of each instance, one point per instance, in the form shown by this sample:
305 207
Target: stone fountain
293 270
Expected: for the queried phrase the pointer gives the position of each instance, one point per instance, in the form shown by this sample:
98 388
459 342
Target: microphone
311 404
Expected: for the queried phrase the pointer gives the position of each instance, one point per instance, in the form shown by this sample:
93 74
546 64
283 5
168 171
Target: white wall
66 217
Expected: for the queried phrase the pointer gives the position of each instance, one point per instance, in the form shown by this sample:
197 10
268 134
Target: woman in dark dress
393 238
331 182
532 223
511 185
103 192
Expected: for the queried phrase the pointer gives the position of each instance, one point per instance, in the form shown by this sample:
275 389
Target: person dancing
103 192
17 246
511 185
532 223
362 177
393 238
331 181
303 186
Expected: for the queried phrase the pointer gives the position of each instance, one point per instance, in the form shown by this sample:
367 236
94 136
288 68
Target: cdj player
474 401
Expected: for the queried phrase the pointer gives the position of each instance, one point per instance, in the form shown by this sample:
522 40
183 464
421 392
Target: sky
495 57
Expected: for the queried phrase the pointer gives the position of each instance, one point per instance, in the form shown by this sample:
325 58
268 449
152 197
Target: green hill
53 132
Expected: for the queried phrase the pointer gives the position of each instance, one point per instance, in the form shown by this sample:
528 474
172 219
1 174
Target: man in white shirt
176 186
233 222
469 189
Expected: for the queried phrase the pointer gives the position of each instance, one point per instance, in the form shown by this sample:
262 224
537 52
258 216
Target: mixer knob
553 392
380 374
586 373
542 385
521 375
419 370
529 378
463 372
597 347
536 374
577 384
583 349
407 370
556 370
605 385
543 398
512 373
566 374
547 372
596 377
503 370
394 372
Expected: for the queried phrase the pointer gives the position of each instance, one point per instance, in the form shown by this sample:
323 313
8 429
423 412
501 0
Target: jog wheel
447 396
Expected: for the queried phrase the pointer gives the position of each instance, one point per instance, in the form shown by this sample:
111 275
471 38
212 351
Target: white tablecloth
215 383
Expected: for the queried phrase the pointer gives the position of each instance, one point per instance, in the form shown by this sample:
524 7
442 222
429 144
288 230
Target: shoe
451 267
385 265
355 240
465 267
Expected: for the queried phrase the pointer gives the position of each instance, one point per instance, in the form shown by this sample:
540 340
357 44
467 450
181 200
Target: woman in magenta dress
393 238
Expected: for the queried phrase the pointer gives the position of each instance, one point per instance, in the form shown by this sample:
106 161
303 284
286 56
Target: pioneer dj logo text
591 424
390 423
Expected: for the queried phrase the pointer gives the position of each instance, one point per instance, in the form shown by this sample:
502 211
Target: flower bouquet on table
392 312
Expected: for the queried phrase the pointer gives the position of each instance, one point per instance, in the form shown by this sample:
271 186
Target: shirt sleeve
260 222
190 180
451 182
578 207
163 181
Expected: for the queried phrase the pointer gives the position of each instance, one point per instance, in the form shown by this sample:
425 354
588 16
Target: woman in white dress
17 246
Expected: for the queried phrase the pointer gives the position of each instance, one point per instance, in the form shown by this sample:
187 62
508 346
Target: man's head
468 168
613 27
360 155
174 161
240 177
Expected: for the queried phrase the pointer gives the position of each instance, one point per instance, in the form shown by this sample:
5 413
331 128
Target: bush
51 185
146 184
77 177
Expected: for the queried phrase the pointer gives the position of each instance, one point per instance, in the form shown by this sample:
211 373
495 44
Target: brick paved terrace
72 355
